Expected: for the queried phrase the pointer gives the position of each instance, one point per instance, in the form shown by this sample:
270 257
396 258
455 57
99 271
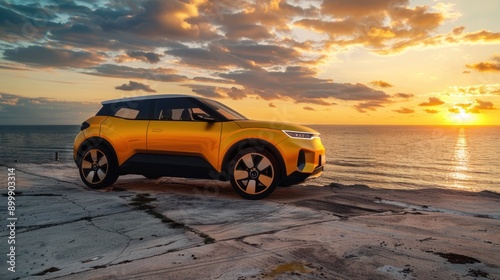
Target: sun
462 117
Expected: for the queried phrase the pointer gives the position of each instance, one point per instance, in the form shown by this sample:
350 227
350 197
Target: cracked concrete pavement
195 229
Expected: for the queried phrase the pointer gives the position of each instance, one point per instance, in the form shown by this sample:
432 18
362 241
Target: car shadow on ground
207 188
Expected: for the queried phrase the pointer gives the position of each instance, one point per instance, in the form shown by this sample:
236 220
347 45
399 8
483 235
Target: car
193 137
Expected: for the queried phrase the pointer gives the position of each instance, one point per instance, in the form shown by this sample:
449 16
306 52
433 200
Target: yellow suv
192 137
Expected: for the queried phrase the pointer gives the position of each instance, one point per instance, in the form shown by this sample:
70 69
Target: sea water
398 157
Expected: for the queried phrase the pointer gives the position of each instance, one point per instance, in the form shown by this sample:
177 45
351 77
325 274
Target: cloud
404 110
473 107
218 92
118 71
431 111
360 8
106 24
236 93
133 86
272 105
156 18
463 105
482 36
381 84
433 101
8 99
257 20
212 80
484 105
473 90
247 54
149 57
488 66
206 91
21 110
234 49
385 27
364 107
404 95
12 67
44 57
307 108
458 37
301 85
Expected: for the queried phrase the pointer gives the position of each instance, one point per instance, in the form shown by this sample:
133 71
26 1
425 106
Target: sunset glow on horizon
353 62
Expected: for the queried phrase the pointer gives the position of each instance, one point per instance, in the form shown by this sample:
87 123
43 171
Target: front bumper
303 156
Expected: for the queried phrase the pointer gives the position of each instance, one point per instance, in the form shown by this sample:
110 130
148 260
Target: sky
345 62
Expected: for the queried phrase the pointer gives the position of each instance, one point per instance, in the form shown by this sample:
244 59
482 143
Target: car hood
274 125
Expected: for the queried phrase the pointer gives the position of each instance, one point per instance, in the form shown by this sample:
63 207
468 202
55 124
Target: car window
176 109
133 110
224 110
127 113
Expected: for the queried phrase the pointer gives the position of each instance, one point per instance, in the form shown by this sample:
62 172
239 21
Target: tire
97 167
254 173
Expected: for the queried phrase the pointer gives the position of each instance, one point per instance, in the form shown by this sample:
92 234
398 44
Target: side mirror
202 117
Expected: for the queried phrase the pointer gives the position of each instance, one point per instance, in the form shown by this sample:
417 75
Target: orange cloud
135 86
433 101
386 26
360 8
364 107
474 107
431 111
381 84
149 57
404 110
480 89
488 66
404 95
484 105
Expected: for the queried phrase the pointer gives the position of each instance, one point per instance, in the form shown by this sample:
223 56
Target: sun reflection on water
461 160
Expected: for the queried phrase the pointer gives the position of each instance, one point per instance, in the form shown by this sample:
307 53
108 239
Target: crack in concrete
141 202
86 218
130 239
277 230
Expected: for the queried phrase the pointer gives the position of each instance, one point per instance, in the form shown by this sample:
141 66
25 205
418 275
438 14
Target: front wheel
97 168
254 174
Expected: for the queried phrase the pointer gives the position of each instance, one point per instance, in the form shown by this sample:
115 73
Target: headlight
300 134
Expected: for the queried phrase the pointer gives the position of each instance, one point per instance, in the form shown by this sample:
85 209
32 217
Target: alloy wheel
254 173
94 166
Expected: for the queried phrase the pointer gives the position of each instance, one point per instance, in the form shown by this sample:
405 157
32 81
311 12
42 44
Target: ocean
396 157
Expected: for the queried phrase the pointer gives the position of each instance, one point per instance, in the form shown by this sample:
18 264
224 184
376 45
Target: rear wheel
254 173
97 167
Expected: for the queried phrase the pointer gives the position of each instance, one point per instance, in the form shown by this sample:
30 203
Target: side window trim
178 112
143 108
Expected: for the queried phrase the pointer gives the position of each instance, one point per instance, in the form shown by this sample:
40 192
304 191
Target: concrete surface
196 229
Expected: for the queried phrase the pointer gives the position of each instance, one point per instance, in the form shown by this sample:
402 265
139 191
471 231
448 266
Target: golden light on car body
187 136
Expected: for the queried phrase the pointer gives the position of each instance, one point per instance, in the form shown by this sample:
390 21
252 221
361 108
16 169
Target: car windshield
222 109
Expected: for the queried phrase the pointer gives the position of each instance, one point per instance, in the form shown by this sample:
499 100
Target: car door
126 128
174 134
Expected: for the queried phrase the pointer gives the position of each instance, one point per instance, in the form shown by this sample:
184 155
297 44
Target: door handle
157 130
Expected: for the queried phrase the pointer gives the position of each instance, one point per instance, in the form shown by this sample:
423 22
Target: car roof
146 97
